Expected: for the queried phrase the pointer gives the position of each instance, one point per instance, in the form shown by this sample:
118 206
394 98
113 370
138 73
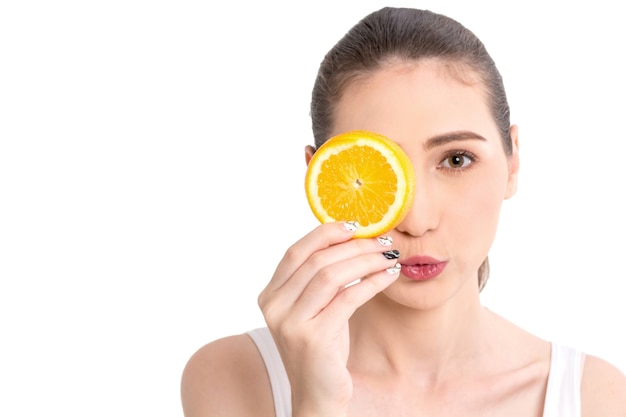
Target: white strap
281 389
563 391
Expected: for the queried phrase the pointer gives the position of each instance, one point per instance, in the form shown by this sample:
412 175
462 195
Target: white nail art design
385 240
351 226
394 269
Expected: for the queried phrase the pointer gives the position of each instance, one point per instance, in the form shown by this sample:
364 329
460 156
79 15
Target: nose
424 214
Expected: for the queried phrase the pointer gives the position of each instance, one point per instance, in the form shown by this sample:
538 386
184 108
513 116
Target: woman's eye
457 161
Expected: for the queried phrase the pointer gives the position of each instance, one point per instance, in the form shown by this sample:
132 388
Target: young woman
412 338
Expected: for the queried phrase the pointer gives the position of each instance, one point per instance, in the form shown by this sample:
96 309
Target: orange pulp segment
360 176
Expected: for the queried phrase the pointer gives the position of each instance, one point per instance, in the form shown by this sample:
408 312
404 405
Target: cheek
476 210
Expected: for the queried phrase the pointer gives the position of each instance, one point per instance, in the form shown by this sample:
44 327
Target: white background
151 177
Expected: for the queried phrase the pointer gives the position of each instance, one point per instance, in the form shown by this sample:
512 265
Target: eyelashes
457 161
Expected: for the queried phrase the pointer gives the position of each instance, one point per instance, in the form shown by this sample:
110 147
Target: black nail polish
391 254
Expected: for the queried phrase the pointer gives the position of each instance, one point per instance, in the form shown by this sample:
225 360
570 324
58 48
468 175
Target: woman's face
462 172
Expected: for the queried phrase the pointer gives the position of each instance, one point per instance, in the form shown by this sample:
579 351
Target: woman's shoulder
226 377
603 388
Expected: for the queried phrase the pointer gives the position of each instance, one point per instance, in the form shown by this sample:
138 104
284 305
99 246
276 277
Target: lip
422 268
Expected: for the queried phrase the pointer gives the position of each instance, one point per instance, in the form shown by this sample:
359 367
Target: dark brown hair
392 34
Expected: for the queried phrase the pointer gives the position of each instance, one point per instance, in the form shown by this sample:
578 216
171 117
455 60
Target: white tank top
562 394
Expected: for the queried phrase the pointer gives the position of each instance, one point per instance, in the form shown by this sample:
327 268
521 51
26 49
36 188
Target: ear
511 187
308 153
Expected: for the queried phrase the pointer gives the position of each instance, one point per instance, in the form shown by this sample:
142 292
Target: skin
390 345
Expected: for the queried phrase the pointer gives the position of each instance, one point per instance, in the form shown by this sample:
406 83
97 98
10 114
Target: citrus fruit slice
360 176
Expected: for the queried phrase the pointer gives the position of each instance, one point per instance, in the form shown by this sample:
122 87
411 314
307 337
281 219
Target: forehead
425 97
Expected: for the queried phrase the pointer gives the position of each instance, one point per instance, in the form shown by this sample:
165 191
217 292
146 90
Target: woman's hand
307 305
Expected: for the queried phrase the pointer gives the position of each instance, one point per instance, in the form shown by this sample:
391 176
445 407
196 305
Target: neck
395 338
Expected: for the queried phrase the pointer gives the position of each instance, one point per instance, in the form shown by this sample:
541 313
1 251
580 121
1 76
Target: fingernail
392 254
351 226
385 240
394 269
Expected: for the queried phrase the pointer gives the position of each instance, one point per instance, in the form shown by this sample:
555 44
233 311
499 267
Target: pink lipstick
422 268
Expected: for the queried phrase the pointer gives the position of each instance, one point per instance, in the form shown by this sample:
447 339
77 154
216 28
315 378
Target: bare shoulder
603 389
226 377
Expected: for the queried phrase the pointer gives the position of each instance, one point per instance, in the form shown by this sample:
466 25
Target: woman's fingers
321 264
347 301
329 283
347 266
319 238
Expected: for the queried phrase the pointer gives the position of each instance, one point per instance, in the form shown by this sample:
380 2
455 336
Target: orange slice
360 176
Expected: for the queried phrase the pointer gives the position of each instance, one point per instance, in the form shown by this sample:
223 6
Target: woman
411 338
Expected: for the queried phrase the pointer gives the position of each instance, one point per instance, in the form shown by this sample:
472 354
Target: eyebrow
440 140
